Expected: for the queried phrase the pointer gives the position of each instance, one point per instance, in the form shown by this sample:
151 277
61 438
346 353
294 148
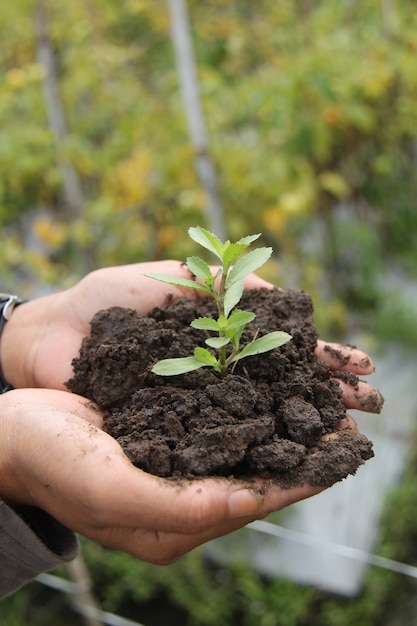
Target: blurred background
122 123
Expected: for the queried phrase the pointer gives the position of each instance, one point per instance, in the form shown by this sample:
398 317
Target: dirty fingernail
244 502
366 364
372 402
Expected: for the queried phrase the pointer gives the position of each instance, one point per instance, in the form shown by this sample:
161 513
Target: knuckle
199 517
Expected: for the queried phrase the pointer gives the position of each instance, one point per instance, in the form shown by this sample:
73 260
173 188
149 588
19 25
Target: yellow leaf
274 219
15 78
334 183
51 233
298 201
332 116
129 184
167 235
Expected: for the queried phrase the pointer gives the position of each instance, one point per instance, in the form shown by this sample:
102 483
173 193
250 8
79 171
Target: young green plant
226 287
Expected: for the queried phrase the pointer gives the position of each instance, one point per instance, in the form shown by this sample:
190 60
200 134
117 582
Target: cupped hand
44 335
55 456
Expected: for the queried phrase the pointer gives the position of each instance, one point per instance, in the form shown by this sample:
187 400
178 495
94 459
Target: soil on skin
266 419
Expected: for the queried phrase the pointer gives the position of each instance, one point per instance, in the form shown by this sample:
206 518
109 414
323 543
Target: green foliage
35 605
307 106
396 321
208 595
354 254
189 583
230 323
13 610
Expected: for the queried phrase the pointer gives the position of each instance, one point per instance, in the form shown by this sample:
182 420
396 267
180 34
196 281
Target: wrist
8 303
34 340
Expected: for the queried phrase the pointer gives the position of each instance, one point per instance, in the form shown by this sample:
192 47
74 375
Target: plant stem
220 310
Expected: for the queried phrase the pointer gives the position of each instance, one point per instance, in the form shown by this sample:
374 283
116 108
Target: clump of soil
266 419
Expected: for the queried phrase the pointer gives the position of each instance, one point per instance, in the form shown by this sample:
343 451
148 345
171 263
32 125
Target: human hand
44 335
54 456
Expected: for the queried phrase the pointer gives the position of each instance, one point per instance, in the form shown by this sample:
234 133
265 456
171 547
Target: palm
72 310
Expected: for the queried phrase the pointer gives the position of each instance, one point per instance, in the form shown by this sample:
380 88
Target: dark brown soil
266 419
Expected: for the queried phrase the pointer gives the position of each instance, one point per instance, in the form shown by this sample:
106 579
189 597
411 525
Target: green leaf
222 323
247 264
207 240
233 295
217 342
264 344
231 253
235 335
199 268
240 318
204 357
173 367
205 323
179 282
249 239
233 250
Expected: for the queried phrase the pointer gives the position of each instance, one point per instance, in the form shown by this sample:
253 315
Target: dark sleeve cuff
31 542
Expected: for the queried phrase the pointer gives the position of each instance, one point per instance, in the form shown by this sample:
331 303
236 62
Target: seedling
226 287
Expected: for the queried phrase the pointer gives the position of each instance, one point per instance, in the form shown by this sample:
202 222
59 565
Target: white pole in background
187 72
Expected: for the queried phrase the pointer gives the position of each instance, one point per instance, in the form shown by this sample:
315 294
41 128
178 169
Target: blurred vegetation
312 124
311 118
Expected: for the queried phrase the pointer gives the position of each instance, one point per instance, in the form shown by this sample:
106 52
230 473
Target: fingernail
372 401
366 364
244 502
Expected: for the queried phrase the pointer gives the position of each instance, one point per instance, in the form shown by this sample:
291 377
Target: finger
344 358
252 281
162 548
277 498
361 396
347 423
188 509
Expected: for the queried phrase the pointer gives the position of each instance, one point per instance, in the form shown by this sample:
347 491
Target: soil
266 419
